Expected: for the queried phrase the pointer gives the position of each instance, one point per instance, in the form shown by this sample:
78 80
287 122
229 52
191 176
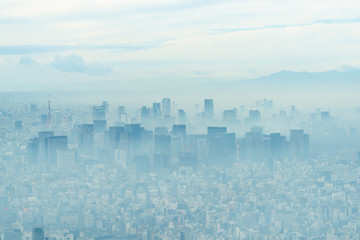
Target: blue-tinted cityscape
179 120
105 171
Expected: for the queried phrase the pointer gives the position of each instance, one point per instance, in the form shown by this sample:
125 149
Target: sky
138 44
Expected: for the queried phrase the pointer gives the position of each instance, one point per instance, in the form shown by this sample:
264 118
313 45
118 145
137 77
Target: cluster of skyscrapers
111 172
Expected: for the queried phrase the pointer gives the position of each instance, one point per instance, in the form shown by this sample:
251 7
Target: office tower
208 109
254 115
38 233
121 110
18 125
299 144
86 138
161 131
162 151
276 145
114 136
33 150
325 116
254 144
229 115
282 115
12 234
222 146
99 112
99 126
134 134
122 114
55 143
166 106
156 110
216 130
182 116
106 105
44 145
145 116
179 130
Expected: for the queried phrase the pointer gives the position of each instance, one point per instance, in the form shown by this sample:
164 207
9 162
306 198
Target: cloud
35 49
75 64
26 60
280 26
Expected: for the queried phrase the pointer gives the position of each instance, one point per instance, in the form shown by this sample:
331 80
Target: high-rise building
222 146
254 115
182 116
166 106
156 110
99 126
99 112
106 105
122 114
211 131
208 109
38 233
162 151
114 136
179 130
229 115
33 151
299 144
86 140
55 143
254 144
44 145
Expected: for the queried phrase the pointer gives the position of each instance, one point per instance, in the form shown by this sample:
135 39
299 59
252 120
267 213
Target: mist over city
178 119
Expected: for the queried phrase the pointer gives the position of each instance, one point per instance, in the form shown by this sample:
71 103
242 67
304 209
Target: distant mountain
289 78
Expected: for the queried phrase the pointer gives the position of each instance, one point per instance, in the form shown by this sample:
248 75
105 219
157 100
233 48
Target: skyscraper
156 110
166 106
182 116
86 138
208 109
114 136
99 112
55 143
299 144
43 145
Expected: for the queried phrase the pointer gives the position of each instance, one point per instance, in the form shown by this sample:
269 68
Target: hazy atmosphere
178 119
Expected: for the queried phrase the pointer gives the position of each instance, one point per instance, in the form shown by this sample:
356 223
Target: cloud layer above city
129 42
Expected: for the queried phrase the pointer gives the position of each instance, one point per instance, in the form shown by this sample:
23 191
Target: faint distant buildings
166 106
222 146
99 112
86 138
208 109
156 110
299 144
182 116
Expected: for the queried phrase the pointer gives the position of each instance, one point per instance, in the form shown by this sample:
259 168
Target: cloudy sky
122 44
